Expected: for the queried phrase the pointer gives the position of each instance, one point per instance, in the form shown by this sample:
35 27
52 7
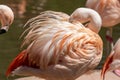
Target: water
26 9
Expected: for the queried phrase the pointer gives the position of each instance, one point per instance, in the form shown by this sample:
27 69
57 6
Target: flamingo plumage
59 46
6 18
109 12
113 61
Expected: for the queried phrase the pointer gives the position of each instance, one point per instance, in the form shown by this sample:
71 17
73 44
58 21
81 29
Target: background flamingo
109 11
58 49
6 17
113 60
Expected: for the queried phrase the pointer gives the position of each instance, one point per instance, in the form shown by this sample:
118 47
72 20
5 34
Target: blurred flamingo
59 47
113 61
6 17
110 13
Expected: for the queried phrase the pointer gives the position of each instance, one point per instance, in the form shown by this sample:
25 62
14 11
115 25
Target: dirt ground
92 75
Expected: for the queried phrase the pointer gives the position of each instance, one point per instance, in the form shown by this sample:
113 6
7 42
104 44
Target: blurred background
26 9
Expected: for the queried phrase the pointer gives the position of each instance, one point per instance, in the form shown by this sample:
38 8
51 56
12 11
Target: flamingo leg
109 40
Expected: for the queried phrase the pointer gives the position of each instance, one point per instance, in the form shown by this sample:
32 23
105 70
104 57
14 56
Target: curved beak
4 29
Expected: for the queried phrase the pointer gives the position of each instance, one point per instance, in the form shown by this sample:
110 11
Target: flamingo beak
4 29
117 72
106 66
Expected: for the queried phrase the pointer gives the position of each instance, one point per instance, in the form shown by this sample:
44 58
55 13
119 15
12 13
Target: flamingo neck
84 15
95 21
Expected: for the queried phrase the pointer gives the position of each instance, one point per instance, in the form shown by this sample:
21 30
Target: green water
10 42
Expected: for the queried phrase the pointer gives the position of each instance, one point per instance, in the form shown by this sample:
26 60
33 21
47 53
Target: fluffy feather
57 46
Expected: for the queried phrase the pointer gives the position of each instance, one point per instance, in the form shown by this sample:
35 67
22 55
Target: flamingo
58 46
109 12
113 61
6 18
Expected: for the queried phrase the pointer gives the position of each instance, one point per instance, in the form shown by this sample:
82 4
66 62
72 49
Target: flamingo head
6 18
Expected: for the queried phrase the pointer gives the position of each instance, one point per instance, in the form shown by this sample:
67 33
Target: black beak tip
2 31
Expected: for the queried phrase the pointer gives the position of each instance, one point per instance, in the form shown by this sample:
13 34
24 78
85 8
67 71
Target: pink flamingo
58 49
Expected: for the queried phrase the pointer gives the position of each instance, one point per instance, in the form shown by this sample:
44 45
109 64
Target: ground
92 75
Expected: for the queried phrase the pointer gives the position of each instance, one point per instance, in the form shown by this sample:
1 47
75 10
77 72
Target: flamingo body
57 49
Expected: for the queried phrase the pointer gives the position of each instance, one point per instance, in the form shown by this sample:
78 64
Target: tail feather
106 65
18 61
